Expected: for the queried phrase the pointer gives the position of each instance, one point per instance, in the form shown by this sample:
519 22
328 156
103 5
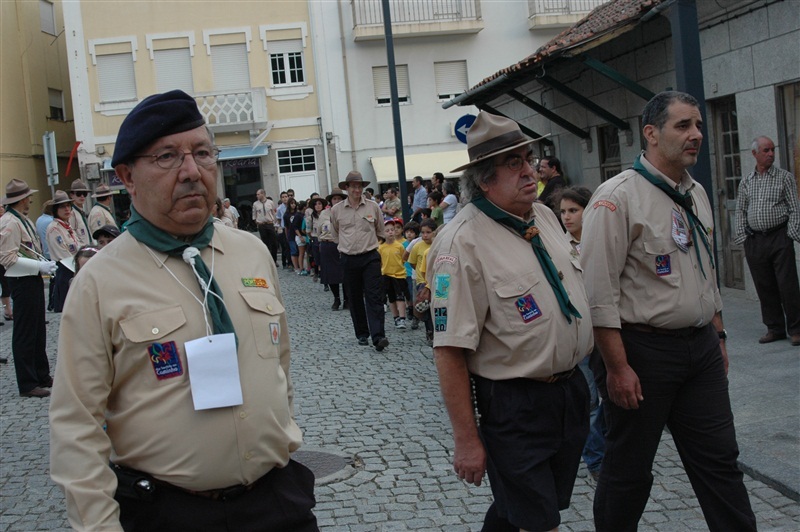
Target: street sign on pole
462 126
50 157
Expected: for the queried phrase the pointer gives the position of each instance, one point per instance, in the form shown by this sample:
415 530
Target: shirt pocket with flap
661 259
147 334
520 301
153 325
266 312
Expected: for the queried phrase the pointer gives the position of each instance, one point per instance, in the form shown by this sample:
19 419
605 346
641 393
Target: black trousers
270 239
772 263
29 335
61 283
685 388
286 259
364 287
280 500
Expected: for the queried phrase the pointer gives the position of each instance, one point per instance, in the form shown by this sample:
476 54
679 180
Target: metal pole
398 131
689 78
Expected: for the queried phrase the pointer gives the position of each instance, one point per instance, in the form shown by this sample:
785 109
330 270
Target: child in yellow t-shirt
417 258
393 271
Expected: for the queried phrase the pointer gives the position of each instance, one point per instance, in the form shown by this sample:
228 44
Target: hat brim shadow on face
497 152
344 185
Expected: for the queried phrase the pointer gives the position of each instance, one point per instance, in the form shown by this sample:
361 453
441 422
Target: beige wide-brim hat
353 177
78 186
59 198
102 191
17 190
492 135
337 192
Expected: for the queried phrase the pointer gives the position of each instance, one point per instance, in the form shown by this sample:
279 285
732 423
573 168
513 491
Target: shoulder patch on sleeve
445 259
605 203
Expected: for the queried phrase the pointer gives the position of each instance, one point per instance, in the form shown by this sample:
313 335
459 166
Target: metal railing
370 13
562 7
231 109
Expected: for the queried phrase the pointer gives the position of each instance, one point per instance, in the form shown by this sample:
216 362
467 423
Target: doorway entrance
242 178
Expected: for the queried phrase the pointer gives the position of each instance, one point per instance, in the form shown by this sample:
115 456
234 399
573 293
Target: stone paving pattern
383 410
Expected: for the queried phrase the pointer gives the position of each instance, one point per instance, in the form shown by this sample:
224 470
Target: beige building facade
249 65
35 95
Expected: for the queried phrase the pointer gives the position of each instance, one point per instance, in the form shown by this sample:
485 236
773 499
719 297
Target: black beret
156 116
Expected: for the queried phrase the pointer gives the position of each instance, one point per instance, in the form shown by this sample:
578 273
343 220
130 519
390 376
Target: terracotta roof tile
603 19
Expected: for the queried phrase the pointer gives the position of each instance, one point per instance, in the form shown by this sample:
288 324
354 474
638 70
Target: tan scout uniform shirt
100 216
61 241
634 270
489 295
324 225
15 238
105 373
357 230
79 226
264 212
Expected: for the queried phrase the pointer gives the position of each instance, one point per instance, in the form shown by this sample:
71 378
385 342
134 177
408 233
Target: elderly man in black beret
178 376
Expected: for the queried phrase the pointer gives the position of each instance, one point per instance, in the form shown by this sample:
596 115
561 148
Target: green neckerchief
28 228
103 206
151 236
530 232
685 201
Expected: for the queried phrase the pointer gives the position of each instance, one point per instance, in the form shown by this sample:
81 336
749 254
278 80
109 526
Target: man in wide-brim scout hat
78 219
100 214
20 251
357 224
507 305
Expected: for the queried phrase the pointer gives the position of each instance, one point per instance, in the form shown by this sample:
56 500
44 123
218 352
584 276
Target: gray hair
655 112
756 142
481 173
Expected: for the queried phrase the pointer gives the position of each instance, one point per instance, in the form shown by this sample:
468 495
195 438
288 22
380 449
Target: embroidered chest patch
663 265
275 333
255 282
528 309
166 360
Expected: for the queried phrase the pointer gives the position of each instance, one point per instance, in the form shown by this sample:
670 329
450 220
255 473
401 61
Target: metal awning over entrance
242 152
422 164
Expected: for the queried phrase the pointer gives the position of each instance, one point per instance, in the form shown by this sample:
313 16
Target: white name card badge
214 371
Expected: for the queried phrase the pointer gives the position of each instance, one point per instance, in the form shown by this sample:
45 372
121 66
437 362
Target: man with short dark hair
510 330
264 217
78 220
550 170
768 223
179 376
391 206
280 230
420 198
647 256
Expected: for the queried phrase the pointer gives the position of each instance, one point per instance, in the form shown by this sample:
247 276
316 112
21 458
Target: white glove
47 267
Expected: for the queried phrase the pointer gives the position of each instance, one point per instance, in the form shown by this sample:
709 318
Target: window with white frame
608 141
47 17
115 77
286 62
173 70
56 98
296 160
230 67
380 80
451 79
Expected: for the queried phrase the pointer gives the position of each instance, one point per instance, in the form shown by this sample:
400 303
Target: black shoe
363 341
36 392
48 383
327 289
346 305
336 304
381 343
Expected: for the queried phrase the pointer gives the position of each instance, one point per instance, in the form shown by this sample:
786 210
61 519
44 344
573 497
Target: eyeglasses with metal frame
516 162
171 159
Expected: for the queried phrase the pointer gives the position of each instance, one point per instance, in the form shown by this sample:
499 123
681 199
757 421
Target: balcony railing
562 7
370 12
235 110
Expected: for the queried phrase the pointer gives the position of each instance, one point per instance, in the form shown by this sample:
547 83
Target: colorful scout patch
440 319
165 359
275 332
528 309
663 265
605 203
255 282
441 286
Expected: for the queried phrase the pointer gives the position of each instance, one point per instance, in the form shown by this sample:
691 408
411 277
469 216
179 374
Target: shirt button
248 455
519 287
155 330
242 415
269 307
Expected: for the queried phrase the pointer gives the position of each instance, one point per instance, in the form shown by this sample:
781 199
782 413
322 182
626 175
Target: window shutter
116 78
174 70
380 80
285 46
229 64
451 78
47 18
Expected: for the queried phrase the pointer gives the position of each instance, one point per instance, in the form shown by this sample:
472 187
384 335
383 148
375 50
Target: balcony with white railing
559 13
416 18
228 111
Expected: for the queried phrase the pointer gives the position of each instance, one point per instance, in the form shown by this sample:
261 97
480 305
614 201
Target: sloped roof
600 25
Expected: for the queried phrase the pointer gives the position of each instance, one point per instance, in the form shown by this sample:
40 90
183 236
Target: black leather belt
675 333
768 231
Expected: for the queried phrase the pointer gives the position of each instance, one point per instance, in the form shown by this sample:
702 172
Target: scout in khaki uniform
63 245
78 220
21 256
186 361
510 314
264 217
647 254
100 214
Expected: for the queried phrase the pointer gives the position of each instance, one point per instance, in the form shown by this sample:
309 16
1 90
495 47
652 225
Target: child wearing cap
393 271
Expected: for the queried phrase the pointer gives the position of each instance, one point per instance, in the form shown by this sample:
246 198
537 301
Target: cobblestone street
383 412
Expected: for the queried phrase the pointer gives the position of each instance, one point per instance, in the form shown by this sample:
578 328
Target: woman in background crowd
63 244
331 273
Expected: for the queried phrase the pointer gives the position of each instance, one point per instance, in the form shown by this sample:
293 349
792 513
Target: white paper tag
214 371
